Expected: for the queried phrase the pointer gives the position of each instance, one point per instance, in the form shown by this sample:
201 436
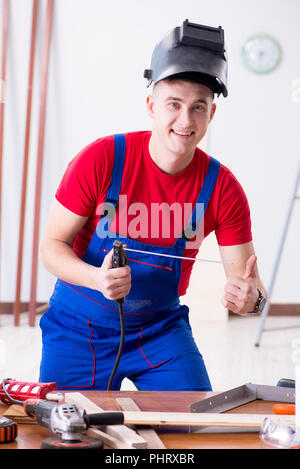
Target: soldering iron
119 259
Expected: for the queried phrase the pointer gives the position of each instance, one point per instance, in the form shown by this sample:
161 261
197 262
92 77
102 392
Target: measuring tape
8 430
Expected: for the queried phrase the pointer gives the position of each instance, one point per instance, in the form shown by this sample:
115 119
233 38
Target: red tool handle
22 391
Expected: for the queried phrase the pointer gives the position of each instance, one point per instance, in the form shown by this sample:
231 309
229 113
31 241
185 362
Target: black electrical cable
121 314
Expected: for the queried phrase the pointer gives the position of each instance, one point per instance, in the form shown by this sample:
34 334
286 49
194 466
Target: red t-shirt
145 189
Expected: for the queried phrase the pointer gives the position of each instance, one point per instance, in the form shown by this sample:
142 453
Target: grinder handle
104 418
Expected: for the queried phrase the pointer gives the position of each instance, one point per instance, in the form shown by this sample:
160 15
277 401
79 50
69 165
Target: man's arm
58 257
240 292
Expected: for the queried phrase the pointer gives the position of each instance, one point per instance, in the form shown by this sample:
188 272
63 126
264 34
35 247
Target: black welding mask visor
193 51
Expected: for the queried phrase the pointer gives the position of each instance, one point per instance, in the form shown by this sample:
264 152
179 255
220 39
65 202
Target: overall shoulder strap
116 178
109 207
204 196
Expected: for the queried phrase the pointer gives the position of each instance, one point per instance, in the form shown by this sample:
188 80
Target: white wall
96 87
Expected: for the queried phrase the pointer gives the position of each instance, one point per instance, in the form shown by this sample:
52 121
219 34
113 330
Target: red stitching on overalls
101 304
94 366
146 263
151 366
93 352
83 294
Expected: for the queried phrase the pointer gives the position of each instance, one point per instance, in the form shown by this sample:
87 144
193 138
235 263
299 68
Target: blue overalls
81 328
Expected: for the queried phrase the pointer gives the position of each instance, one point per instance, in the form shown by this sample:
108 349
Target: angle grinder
67 422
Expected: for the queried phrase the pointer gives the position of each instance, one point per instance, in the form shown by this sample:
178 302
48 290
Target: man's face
181 111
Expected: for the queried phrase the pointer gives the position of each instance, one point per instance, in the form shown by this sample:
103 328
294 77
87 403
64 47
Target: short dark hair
201 78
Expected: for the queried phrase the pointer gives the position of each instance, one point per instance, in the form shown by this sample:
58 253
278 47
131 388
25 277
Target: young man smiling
81 329
181 111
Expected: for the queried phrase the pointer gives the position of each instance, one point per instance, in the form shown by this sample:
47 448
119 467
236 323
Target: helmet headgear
193 51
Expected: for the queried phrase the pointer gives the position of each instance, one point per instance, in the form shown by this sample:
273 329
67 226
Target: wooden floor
227 347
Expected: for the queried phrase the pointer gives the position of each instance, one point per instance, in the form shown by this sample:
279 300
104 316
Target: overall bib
81 328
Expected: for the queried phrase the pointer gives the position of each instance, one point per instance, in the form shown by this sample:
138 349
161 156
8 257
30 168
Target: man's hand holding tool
114 283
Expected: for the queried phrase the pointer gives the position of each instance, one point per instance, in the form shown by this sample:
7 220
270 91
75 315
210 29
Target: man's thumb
107 261
250 267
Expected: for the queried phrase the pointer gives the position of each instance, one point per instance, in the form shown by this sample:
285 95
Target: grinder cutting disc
55 443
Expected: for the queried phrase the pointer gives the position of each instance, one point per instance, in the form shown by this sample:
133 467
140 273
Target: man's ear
150 105
212 111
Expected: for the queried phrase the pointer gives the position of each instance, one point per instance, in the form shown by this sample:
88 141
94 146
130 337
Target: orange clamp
284 409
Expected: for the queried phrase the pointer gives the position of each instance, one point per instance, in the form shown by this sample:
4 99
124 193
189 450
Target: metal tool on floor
66 421
239 396
271 433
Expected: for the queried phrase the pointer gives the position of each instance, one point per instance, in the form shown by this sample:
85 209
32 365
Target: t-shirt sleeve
234 218
86 179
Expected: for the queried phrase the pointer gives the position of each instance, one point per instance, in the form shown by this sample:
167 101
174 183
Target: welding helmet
194 51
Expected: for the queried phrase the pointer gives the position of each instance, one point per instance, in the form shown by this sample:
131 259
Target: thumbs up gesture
241 294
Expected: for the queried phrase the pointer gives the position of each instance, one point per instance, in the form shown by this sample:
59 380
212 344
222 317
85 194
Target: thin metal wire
177 257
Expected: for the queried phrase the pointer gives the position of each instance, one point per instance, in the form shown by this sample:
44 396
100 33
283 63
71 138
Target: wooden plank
119 432
153 440
18 414
107 439
127 435
186 418
204 419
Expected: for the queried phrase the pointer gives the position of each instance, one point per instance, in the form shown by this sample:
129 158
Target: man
113 189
